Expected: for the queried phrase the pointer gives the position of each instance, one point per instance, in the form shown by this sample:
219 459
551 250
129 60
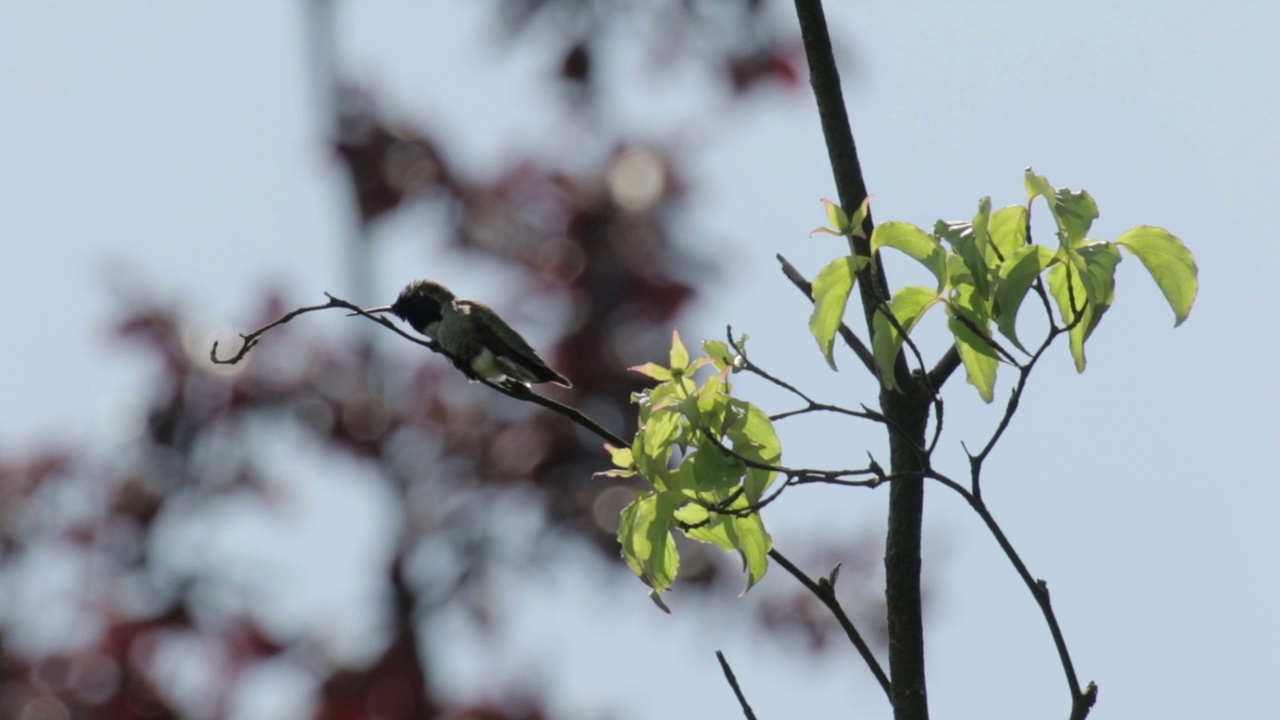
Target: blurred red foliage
598 245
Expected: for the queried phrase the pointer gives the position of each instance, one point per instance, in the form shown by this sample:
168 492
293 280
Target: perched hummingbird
481 344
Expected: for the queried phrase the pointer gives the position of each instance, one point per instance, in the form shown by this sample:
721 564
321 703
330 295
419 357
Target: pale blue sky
183 142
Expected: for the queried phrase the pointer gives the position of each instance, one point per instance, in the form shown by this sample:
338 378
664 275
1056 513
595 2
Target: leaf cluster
984 269
707 458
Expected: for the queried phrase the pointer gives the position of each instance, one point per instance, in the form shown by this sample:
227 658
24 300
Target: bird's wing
508 346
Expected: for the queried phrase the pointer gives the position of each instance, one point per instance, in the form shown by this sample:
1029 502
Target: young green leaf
746 535
908 306
713 402
679 353
652 465
621 457
836 215
982 233
653 370
1075 212
714 473
754 543
719 353
661 431
976 352
1098 260
1016 276
915 242
1008 230
1037 186
1084 286
646 541
963 239
830 297
860 216
1170 263
755 438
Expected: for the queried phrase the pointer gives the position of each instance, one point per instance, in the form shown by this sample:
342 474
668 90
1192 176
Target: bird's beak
373 310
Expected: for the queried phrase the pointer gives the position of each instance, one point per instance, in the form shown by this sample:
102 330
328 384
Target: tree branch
812 405
824 76
824 590
515 390
1024 372
947 364
733 683
1081 700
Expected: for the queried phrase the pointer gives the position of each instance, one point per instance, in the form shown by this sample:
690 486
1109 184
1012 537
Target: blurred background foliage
102 622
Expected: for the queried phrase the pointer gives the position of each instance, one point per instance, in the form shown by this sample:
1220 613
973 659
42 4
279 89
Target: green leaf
836 216
653 370
719 352
755 438
1016 276
679 353
754 543
746 535
859 217
1086 285
646 541
1037 186
1075 212
1170 263
713 402
661 431
982 230
714 473
957 271
1099 260
963 239
976 352
908 306
1008 230
663 397
830 297
652 464
915 242
621 457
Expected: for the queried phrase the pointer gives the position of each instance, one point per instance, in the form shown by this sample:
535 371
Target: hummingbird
479 342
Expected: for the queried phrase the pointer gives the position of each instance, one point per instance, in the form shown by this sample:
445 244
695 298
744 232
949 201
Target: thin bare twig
824 590
517 391
1081 699
806 475
733 683
250 340
1024 373
812 405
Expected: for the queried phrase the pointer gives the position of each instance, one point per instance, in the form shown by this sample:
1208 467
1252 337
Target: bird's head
421 304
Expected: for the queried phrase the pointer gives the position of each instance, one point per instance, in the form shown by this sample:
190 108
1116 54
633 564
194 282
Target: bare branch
825 591
515 390
812 405
1024 372
807 475
1081 700
733 683
947 364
